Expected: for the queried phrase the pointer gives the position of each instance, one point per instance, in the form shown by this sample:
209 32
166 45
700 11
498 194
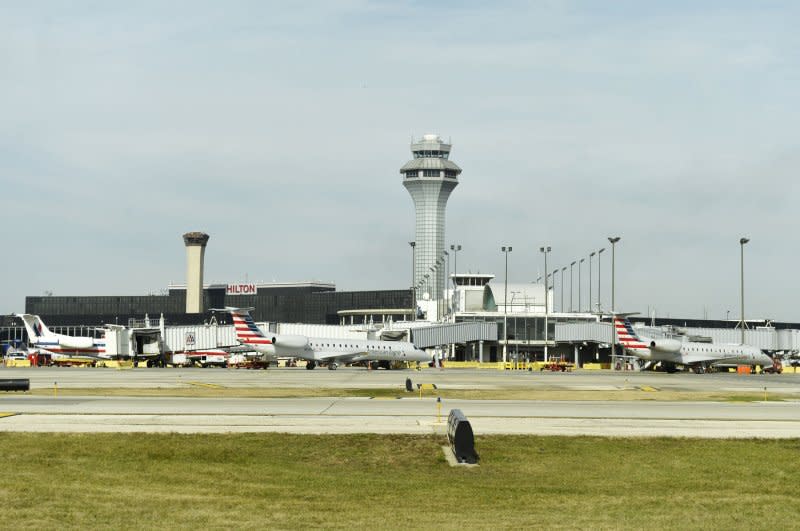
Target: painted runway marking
209 385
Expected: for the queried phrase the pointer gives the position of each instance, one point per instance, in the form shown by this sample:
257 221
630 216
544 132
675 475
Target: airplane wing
342 357
40 350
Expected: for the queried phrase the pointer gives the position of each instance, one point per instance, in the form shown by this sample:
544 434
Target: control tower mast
430 177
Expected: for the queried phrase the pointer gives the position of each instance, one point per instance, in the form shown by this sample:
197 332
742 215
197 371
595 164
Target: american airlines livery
697 356
41 338
327 351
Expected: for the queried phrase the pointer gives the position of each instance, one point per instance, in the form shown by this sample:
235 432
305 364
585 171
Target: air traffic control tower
430 177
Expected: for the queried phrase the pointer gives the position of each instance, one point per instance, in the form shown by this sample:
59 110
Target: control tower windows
430 173
412 174
434 154
451 173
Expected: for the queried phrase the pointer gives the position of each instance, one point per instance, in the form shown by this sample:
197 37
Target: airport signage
189 339
241 289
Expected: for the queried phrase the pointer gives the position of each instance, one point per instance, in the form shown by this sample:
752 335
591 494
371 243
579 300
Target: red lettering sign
241 289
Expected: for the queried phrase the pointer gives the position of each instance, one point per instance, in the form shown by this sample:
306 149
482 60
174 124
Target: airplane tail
247 332
35 327
626 335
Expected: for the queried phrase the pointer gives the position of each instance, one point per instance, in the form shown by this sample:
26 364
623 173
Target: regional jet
61 346
58 345
327 351
698 356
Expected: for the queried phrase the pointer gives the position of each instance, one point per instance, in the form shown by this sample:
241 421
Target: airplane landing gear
310 365
333 366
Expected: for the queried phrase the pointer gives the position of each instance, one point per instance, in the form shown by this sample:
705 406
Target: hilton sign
241 289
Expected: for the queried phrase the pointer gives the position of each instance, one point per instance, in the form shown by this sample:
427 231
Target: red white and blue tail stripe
247 332
626 336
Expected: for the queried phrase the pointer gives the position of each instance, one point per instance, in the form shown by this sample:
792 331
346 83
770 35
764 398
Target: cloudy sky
279 129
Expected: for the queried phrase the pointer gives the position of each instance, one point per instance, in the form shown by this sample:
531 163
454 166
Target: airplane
698 356
58 345
329 351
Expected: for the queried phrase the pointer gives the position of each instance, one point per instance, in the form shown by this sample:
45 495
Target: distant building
306 302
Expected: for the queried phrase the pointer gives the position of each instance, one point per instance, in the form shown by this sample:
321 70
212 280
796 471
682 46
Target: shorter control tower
430 177
195 252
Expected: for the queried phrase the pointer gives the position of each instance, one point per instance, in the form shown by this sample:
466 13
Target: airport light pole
580 266
436 275
554 288
427 276
434 282
590 280
743 324
571 298
516 341
563 270
598 279
440 300
447 283
414 274
505 249
613 240
544 251
455 248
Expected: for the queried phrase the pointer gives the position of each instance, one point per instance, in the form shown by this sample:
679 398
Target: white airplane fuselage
60 345
321 350
691 353
688 353
337 349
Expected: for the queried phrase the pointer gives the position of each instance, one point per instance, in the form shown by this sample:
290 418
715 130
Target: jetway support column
480 351
577 355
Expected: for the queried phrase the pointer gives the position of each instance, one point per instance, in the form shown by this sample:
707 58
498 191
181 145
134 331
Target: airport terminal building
304 302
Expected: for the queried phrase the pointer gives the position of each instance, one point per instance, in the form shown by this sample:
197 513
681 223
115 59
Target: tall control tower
430 177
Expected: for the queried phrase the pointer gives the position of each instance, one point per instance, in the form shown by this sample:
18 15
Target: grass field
396 482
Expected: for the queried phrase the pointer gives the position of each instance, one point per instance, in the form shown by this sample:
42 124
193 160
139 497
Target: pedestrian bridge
448 334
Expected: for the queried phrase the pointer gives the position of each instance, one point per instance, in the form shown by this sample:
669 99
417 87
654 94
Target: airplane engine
666 345
76 342
290 342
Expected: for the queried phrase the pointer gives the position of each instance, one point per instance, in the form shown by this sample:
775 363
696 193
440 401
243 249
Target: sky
279 129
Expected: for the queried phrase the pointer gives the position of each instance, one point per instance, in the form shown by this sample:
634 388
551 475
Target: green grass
396 481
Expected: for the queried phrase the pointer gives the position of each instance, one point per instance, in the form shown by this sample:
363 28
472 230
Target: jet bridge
453 333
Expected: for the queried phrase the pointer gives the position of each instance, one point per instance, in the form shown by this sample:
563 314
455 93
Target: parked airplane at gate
45 341
698 356
329 351
61 346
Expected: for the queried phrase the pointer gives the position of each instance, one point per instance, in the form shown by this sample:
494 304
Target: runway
406 415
